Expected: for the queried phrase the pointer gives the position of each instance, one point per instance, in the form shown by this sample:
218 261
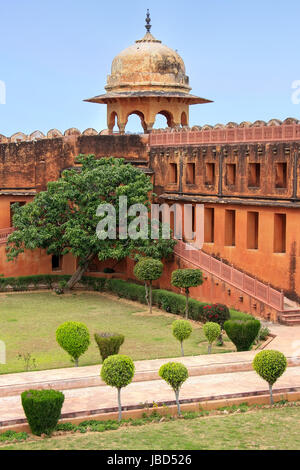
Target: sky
54 54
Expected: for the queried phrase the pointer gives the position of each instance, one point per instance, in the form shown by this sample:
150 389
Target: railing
4 232
229 274
284 132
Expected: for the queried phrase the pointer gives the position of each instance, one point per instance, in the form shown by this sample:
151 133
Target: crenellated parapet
258 131
52 134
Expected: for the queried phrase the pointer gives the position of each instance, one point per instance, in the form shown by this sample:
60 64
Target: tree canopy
65 218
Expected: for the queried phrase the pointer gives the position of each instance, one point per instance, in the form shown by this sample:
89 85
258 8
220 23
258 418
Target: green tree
212 331
148 270
175 374
270 365
184 279
182 330
64 218
73 337
118 371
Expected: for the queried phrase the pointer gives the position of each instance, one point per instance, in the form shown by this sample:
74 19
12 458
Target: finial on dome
148 20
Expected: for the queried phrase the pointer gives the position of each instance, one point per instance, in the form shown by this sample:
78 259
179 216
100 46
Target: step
93 401
290 321
89 376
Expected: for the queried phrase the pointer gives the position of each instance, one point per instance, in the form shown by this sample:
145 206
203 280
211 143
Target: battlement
259 131
52 134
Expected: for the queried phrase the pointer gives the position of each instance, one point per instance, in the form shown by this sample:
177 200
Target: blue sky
242 55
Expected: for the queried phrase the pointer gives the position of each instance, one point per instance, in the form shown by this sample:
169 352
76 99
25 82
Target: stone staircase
288 311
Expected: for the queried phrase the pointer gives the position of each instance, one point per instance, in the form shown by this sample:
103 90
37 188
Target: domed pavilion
147 78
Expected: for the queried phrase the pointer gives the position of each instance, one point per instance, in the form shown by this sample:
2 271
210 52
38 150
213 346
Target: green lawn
29 321
256 430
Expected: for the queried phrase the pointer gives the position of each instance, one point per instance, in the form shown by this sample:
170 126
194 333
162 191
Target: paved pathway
211 376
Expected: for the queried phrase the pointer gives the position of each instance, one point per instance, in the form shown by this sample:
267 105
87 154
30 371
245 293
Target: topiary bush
118 371
109 343
217 313
182 330
175 374
42 409
74 338
270 365
212 331
148 270
184 279
127 290
242 333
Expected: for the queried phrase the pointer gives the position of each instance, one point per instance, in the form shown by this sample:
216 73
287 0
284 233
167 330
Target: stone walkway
213 376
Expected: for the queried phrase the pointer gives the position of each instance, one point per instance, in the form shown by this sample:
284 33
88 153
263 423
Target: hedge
22 283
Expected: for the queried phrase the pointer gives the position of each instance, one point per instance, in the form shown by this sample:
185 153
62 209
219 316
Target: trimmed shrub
74 338
148 269
118 371
109 343
212 331
127 290
42 409
169 301
182 330
184 279
270 365
175 374
242 333
216 313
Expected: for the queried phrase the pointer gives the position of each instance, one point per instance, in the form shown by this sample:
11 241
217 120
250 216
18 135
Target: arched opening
160 122
167 115
135 123
184 121
113 122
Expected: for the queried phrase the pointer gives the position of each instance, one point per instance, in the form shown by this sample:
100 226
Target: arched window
113 122
135 123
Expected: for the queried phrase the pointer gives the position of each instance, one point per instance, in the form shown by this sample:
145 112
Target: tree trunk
220 339
182 352
150 297
79 272
119 404
177 402
209 348
271 394
146 293
76 362
187 303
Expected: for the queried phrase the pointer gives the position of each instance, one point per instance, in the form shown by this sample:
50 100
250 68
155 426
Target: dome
148 65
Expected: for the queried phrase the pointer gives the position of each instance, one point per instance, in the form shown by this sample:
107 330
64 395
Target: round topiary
118 371
212 331
42 409
148 270
242 333
109 343
270 365
184 279
182 330
175 374
74 338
